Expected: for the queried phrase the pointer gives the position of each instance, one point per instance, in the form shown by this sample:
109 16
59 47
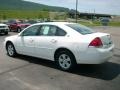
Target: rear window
81 29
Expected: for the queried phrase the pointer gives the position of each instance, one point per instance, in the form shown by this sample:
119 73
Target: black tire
6 33
19 30
11 50
68 62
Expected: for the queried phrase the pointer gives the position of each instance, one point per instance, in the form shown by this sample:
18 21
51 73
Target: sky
89 6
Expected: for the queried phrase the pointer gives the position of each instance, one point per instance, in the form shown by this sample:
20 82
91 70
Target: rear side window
60 32
81 29
51 30
44 30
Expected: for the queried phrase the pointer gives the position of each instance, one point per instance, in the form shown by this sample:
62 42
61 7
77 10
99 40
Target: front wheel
11 50
65 60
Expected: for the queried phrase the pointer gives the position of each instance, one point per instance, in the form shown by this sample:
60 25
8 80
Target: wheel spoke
65 65
68 59
61 60
63 57
68 64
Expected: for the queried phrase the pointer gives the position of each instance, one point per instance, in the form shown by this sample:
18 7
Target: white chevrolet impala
65 43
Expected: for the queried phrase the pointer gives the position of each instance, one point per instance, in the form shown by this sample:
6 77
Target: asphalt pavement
29 73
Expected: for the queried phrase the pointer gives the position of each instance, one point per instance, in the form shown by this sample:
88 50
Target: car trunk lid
104 37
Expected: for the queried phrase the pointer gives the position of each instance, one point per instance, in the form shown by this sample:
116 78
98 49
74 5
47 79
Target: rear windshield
81 29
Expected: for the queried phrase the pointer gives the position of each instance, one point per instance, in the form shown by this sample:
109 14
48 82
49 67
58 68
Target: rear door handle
53 41
31 40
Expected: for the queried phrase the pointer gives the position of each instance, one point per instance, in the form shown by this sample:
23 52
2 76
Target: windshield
81 29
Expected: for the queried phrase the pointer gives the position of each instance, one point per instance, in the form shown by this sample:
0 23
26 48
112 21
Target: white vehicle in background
65 43
4 29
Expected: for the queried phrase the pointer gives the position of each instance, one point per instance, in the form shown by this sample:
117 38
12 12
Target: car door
26 41
13 26
47 41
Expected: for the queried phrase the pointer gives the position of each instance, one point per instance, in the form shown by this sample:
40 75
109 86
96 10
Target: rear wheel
65 60
11 49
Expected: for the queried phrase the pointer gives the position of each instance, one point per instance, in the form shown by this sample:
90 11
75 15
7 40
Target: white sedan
65 43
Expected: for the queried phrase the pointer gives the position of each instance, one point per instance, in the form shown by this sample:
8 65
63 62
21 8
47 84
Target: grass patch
117 24
98 23
90 23
23 14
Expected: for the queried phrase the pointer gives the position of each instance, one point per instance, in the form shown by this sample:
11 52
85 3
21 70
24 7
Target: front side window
31 31
81 29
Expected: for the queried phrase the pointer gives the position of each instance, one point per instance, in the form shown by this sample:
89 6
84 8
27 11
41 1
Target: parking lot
28 73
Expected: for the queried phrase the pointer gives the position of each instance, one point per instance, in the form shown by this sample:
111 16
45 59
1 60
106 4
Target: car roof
2 24
54 23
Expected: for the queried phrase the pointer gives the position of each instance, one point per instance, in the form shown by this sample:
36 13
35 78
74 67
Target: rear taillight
96 42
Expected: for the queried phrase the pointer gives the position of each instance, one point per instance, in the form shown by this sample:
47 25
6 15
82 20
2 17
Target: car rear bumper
95 56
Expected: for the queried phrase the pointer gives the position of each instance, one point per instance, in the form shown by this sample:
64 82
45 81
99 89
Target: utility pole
94 12
76 10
